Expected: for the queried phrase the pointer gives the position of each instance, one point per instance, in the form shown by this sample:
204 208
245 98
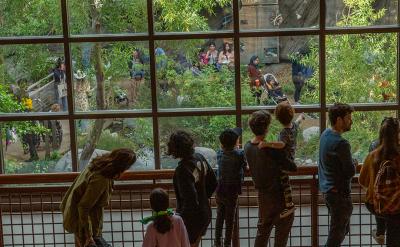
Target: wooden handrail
127 176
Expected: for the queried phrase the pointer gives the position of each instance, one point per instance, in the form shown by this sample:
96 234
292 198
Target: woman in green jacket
83 204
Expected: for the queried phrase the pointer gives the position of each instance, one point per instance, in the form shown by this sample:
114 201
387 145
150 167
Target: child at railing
167 229
83 204
231 166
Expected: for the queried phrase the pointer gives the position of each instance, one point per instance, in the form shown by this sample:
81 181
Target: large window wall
137 70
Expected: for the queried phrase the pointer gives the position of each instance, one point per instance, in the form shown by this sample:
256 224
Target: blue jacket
336 167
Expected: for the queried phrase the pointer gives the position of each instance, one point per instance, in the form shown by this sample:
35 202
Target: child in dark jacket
231 166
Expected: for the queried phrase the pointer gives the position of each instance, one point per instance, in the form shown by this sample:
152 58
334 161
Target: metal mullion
299 108
70 93
28 40
322 65
27 117
236 48
279 32
361 30
397 64
108 37
153 81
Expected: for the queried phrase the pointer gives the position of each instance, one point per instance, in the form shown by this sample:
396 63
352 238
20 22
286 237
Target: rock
145 160
310 132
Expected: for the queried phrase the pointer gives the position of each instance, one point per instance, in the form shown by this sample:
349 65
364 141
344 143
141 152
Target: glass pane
307 136
342 13
190 16
361 68
118 71
107 16
364 131
32 78
195 73
30 18
98 137
205 131
36 146
277 68
274 14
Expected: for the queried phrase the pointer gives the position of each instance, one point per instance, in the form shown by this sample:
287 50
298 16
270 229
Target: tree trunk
97 128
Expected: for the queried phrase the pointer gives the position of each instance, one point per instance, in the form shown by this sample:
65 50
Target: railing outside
30 215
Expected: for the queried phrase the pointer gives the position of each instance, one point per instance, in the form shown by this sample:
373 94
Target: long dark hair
252 59
388 140
159 201
224 50
114 163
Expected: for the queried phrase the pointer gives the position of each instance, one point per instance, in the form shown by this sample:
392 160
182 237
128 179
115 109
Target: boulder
310 132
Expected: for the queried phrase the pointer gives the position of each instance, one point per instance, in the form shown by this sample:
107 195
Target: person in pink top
167 229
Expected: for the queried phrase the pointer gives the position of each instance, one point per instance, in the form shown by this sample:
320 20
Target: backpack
386 197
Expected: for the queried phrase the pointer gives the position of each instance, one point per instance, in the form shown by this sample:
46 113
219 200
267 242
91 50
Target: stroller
271 90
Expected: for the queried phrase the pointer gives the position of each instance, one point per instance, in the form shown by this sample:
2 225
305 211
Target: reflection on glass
32 78
271 14
365 130
100 136
361 13
195 73
361 68
205 132
307 136
36 146
111 76
30 18
280 68
107 16
190 16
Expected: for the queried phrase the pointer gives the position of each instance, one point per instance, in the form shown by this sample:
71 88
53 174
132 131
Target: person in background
300 73
136 65
167 228
83 204
60 85
265 168
226 56
212 55
194 183
231 166
336 168
256 79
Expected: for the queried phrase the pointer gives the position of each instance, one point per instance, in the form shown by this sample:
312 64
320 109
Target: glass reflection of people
212 54
60 85
256 79
226 56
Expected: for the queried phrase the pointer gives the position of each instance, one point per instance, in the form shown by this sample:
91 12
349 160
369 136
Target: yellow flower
27 102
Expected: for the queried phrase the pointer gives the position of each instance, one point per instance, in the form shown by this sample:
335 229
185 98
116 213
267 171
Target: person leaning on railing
83 204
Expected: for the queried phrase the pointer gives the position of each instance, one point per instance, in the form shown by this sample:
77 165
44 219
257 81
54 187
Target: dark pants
226 211
380 220
340 209
269 209
393 231
298 85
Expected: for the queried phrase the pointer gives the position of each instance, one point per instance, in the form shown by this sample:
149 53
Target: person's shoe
100 242
380 239
286 212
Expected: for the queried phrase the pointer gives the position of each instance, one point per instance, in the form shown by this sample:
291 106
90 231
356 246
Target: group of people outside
269 163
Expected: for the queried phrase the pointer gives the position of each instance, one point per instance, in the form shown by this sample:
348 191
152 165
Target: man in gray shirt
265 166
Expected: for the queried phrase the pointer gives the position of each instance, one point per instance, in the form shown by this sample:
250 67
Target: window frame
151 36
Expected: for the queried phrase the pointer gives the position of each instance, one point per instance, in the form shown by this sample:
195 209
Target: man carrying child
266 167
